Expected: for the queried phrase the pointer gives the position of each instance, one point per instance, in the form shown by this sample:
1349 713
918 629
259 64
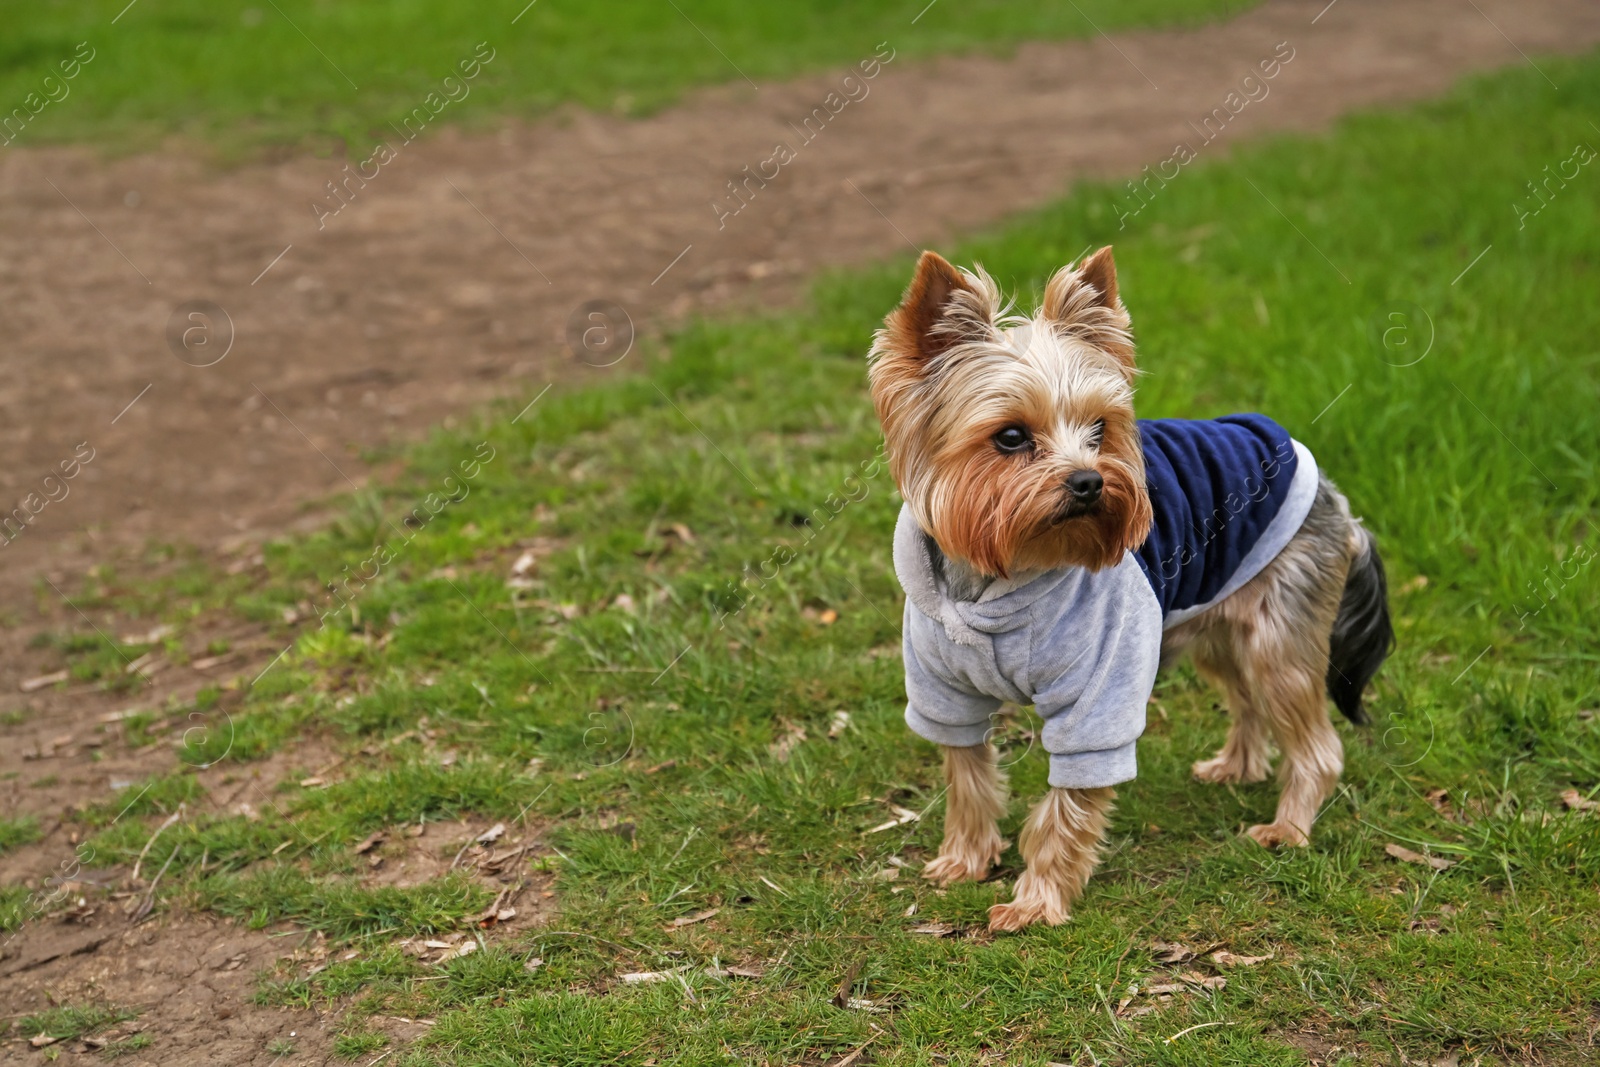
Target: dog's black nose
1085 486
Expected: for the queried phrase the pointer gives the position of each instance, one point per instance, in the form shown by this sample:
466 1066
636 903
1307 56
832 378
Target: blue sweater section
1215 486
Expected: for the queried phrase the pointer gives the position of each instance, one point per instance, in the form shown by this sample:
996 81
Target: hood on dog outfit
1083 646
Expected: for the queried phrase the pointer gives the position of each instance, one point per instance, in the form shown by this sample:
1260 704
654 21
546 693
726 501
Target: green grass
16 831
126 1046
240 76
1475 467
67 1022
358 1045
16 906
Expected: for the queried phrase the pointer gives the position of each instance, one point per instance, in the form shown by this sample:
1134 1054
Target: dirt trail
450 277
192 978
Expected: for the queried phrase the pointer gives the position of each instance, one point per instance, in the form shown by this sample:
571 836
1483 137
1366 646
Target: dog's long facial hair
1013 440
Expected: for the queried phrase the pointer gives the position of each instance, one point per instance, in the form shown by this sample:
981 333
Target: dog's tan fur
945 375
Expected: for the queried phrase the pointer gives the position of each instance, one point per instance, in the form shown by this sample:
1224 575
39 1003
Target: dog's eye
1097 433
1013 439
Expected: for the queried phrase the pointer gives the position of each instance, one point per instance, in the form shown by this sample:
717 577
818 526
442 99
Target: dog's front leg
1061 842
975 798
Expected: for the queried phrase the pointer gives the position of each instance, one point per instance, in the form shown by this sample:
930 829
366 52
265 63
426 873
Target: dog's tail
1362 633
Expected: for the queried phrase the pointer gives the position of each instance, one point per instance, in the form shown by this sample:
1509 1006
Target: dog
1057 551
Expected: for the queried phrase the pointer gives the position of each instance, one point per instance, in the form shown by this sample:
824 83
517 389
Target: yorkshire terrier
1056 551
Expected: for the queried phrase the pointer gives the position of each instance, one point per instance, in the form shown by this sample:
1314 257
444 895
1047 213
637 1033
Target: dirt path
450 277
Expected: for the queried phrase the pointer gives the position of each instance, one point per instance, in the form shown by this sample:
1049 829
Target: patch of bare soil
192 978
69 745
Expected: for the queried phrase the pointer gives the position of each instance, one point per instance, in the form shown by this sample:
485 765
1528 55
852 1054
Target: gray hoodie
1081 646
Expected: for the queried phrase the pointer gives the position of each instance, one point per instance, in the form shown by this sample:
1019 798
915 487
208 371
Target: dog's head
1013 438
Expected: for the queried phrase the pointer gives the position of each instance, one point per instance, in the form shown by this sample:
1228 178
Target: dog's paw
1019 915
969 864
1035 901
1278 835
1224 769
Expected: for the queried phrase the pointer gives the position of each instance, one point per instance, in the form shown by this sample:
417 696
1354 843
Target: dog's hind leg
1280 626
1286 676
1244 757
975 798
1061 842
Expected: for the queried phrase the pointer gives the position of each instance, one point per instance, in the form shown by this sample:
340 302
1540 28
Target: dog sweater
1083 646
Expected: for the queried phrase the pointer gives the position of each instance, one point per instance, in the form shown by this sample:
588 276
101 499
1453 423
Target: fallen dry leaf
1188 982
147 664
372 841
41 1040
493 833
863 1004
841 998
1171 952
934 929
1405 855
697 917
1224 958
739 970
1576 801
30 685
311 783
637 977
840 723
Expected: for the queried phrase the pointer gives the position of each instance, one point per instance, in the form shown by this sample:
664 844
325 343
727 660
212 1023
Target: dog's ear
1100 271
1074 290
942 308
1082 302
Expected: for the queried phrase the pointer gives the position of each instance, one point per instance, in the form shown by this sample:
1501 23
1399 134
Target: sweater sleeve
1094 706
939 709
